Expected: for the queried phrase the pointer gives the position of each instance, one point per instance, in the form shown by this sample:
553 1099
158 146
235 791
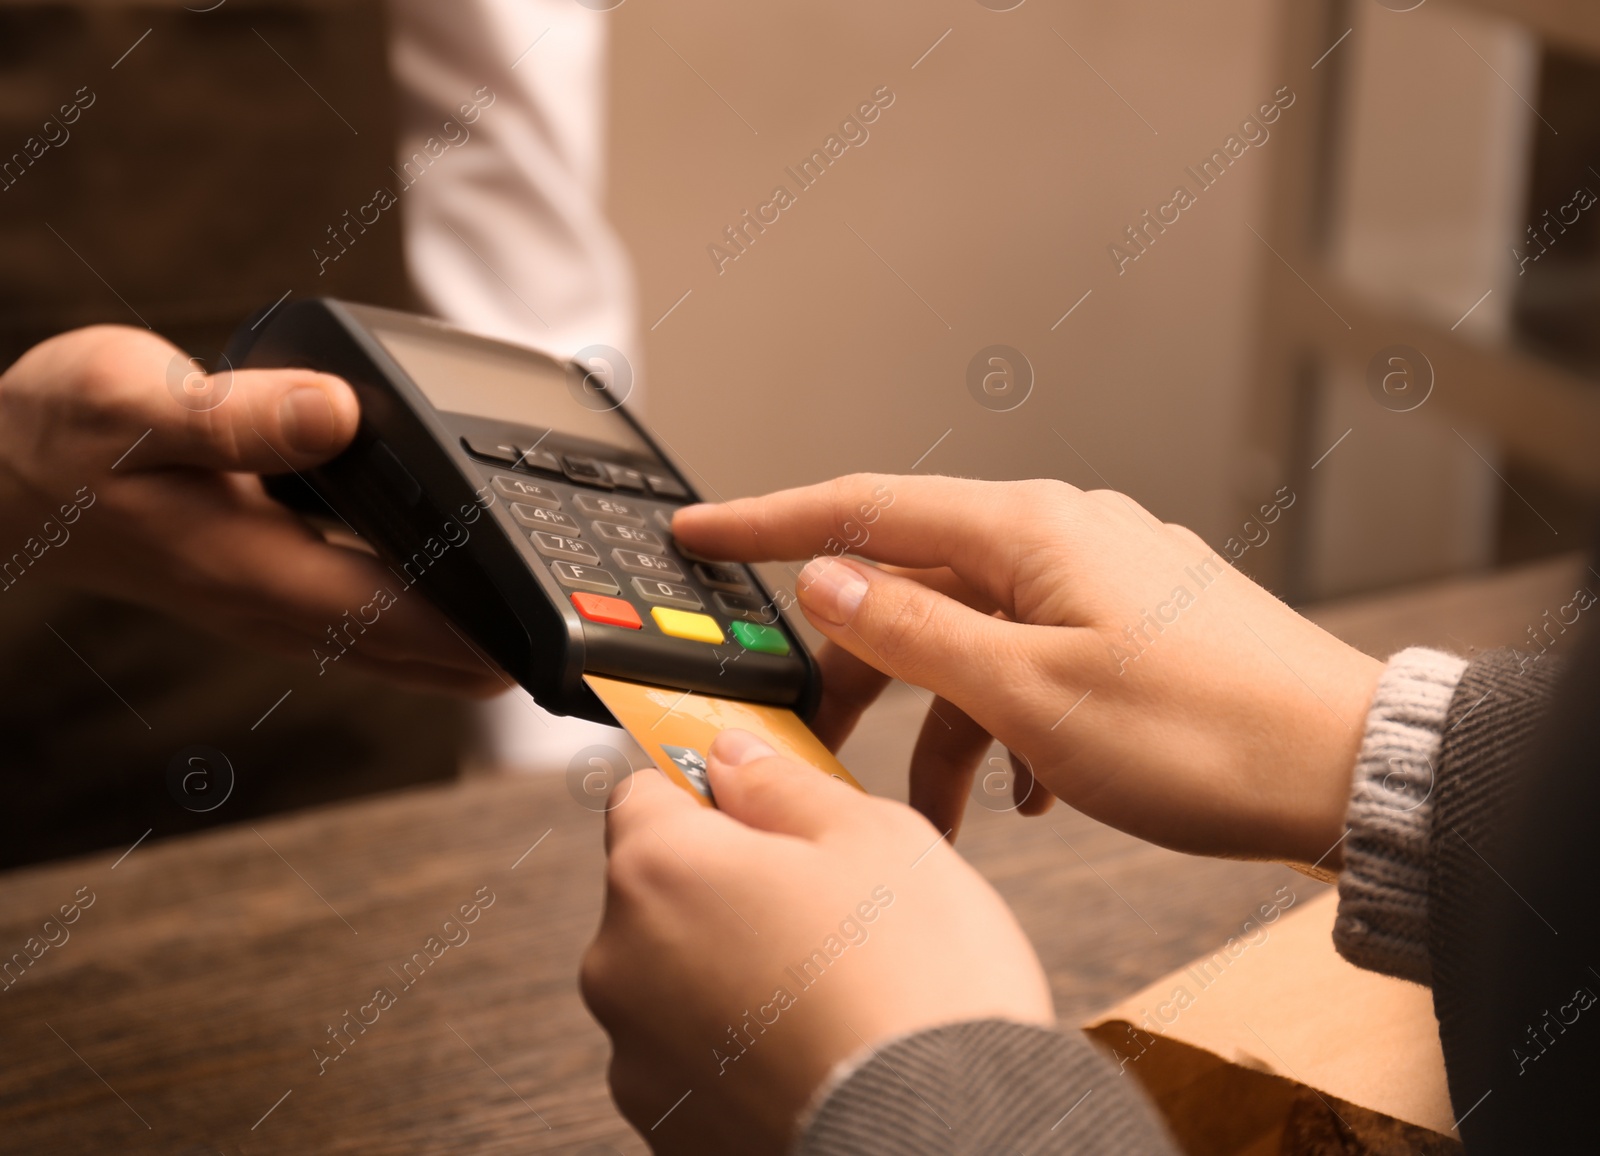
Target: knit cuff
1383 890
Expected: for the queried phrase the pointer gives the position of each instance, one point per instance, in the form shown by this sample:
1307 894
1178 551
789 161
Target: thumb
266 421
640 801
762 789
915 634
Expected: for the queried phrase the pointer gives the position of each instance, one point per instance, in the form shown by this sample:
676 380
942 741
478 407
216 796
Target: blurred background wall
1020 146
978 213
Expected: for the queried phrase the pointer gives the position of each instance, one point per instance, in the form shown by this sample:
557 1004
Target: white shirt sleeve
504 227
505 231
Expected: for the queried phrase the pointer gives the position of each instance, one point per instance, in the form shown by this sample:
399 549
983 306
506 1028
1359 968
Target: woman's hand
1132 672
123 474
746 951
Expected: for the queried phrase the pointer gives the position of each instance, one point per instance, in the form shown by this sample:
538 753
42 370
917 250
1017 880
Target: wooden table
187 1009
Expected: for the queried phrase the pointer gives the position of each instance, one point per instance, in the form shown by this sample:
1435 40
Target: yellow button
682 624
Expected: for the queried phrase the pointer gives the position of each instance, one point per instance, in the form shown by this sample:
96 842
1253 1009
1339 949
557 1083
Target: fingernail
736 748
306 419
831 589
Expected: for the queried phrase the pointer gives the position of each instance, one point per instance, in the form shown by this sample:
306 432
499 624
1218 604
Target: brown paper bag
1275 1045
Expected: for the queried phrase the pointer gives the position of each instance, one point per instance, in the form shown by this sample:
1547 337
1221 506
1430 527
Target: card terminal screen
461 377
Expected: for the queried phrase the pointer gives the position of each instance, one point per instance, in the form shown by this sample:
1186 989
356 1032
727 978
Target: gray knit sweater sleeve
988 1088
1383 891
1440 730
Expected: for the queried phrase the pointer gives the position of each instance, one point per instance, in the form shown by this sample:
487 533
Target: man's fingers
907 521
125 386
756 786
342 601
267 421
947 753
112 396
224 552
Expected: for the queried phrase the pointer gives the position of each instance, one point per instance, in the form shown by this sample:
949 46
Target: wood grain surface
186 1008
191 995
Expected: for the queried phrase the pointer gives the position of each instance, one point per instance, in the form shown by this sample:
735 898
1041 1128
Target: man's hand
1131 671
110 482
746 951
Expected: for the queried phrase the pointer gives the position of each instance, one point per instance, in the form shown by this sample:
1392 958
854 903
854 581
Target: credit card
676 728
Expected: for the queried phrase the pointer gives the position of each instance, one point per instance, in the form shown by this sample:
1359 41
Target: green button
754 636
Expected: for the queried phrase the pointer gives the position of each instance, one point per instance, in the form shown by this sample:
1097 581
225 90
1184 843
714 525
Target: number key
631 536
667 593
618 511
536 518
565 548
523 491
635 562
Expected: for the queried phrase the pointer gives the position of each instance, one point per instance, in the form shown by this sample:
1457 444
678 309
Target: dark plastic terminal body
408 486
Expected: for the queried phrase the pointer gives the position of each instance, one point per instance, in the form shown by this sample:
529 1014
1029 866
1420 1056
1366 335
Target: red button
611 611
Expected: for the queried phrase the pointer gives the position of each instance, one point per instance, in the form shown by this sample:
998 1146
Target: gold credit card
676 727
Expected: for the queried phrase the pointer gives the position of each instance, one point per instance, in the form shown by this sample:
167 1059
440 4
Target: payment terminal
519 494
